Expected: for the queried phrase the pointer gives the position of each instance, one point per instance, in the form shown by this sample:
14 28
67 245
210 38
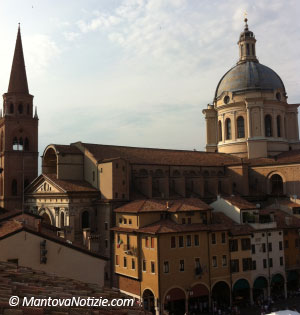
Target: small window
117 260
213 238
129 221
280 245
196 240
20 108
226 99
173 241
181 265
253 248
188 241
117 165
125 221
264 247
26 144
144 265
224 261
125 262
265 263
270 262
281 261
133 264
214 261
14 187
278 120
189 220
240 127
246 244
234 265
166 267
233 245
120 220
278 96
152 242
11 108
270 247
180 241
296 242
106 225
253 264
152 267
183 220
247 264
268 126
223 238
248 49
147 241
228 128
106 243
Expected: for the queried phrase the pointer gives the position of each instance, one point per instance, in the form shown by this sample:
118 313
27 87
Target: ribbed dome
248 76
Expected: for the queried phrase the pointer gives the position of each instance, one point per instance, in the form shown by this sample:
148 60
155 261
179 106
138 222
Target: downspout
209 271
230 272
159 301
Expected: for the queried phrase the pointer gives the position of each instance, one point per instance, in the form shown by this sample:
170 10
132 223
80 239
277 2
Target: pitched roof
18 78
239 202
24 281
65 148
289 157
71 185
136 155
10 227
154 205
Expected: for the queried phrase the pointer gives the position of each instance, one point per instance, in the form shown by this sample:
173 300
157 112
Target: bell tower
18 135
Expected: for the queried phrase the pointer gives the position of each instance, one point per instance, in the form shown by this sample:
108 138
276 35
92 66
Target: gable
43 185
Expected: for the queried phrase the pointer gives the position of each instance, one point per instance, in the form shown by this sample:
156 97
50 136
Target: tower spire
18 78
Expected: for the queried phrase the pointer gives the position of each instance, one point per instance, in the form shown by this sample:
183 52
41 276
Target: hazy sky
139 72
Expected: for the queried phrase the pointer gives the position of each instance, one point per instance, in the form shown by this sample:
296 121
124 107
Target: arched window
228 128
219 131
240 127
14 187
20 108
11 108
62 219
276 185
268 126
20 144
26 144
278 126
85 220
15 143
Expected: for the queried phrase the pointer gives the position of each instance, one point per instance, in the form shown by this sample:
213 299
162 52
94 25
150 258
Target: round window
278 96
226 99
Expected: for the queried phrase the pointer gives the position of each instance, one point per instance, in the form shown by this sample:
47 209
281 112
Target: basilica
177 227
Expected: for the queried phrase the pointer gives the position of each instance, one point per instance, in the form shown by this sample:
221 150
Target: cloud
40 51
71 36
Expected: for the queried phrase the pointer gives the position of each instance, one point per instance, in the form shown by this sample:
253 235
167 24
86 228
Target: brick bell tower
18 135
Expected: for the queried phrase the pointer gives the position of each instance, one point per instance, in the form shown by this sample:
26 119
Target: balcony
265 225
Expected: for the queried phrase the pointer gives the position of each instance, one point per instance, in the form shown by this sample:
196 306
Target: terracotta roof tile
283 158
283 219
136 155
22 281
71 185
67 149
153 205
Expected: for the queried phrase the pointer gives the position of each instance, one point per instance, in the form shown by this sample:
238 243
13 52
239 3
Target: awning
241 284
277 278
260 283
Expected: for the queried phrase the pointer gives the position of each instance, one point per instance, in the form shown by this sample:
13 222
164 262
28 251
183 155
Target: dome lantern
247 45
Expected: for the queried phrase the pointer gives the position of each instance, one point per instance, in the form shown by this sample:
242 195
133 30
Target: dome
247 76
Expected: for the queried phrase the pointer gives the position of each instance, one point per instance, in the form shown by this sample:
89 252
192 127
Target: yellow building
176 256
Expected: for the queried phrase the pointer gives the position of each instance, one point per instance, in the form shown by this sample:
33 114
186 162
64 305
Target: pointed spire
18 79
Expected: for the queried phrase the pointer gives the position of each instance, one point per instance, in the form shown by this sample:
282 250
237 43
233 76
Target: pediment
42 185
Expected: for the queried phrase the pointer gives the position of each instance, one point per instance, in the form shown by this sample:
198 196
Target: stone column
251 296
285 289
156 307
283 135
223 128
274 124
248 122
56 216
262 122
